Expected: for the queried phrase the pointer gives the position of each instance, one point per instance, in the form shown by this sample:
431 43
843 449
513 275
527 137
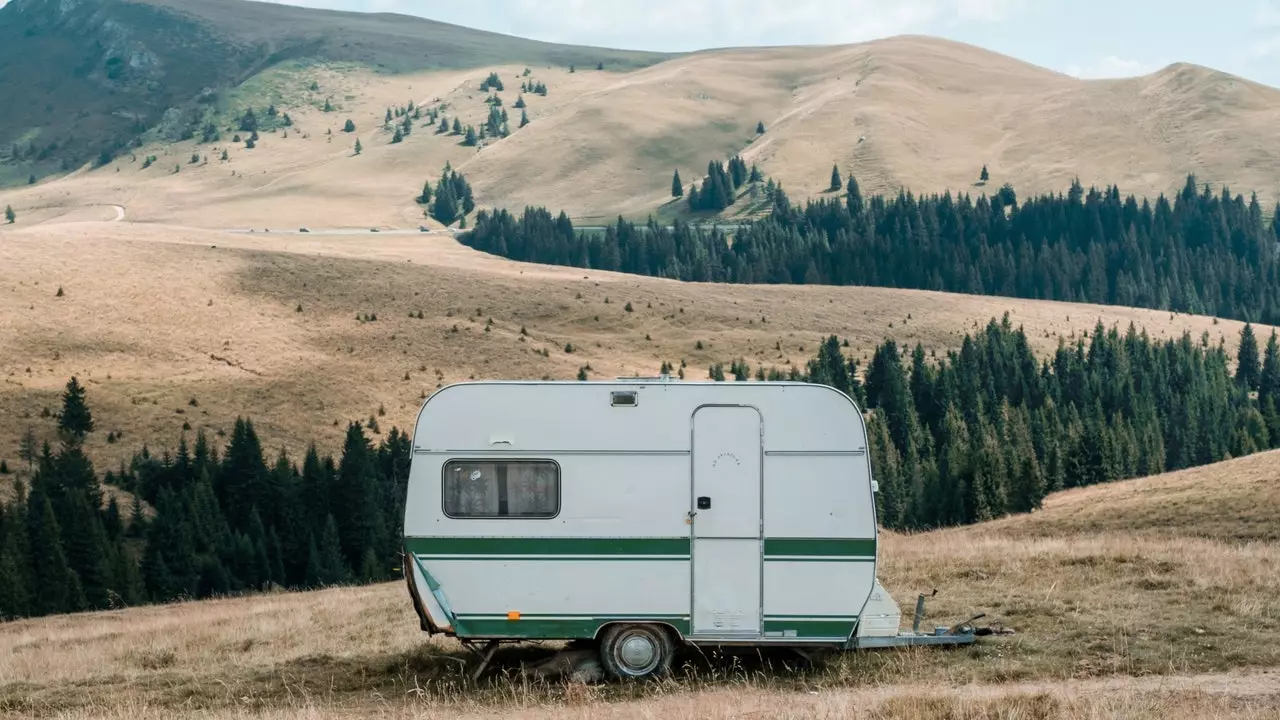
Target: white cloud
1267 14
1112 67
741 22
684 25
1267 18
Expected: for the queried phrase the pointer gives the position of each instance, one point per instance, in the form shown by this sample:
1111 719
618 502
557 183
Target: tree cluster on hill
720 187
988 430
251 122
492 82
452 199
537 88
1200 252
228 524
496 124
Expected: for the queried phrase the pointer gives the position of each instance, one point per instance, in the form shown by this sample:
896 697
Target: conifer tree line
720 187
988 430
1199 252
984 431
227 523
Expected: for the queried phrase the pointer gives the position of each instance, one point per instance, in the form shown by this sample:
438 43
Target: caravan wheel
632 652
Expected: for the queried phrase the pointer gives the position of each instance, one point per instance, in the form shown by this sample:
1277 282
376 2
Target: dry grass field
169 325
912 112
1111 623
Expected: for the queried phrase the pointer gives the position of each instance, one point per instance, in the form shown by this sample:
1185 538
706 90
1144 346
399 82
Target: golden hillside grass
1110 625
169 325
914 112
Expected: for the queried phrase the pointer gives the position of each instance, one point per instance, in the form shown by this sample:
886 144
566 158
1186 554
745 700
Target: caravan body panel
551 509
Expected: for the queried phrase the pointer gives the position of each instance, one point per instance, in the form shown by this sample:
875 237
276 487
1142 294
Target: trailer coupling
961 633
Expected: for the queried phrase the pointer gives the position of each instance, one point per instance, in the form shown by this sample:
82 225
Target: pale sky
1086 38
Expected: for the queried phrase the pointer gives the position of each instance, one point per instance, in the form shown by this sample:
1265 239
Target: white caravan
643 514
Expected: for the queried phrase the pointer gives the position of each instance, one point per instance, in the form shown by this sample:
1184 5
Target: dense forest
984 431
988 430
221 524
1200 252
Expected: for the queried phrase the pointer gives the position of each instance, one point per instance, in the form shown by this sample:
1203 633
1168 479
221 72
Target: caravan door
727 522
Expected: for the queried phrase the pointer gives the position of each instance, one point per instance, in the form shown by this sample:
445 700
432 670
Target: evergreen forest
981 432
1199 252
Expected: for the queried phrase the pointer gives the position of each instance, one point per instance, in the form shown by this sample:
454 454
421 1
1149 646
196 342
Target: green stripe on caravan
819 547
517 546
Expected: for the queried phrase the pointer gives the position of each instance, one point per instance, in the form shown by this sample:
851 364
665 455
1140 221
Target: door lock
704 503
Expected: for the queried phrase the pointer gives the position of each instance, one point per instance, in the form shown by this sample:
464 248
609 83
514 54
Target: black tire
636 652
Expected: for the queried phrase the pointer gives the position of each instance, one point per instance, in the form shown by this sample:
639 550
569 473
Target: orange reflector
513 615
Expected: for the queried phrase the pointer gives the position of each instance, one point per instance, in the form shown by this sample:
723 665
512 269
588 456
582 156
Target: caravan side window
501 489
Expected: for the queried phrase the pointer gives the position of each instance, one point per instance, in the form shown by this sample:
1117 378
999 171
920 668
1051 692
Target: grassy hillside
1110 624
919 113
109 69
266 325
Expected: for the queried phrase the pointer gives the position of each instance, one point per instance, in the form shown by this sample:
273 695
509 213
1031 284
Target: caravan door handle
704 503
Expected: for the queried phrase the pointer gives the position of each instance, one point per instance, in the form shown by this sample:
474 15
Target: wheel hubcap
638 653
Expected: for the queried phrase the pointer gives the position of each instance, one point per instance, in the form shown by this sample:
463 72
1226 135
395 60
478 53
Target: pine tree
425 197
1269 374
28 449
49 575
328 107
524 118
677 188
359 148
836 181
14 602
352 503
519 104
760 127
241 481
386 120
75 420
397 137
984 175
87 551
1248 369
887 468
328 567
10 216
853 197
349 126
470 139
457 127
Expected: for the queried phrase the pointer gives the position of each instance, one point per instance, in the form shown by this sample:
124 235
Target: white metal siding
817 496
578 587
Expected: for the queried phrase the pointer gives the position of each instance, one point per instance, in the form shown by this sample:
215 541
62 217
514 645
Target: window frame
444 468
633 395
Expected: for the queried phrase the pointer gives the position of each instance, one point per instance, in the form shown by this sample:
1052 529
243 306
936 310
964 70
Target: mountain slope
109 69
919 113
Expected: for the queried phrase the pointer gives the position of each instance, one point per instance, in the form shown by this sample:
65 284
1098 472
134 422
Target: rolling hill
914 112
272 326
1110 623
